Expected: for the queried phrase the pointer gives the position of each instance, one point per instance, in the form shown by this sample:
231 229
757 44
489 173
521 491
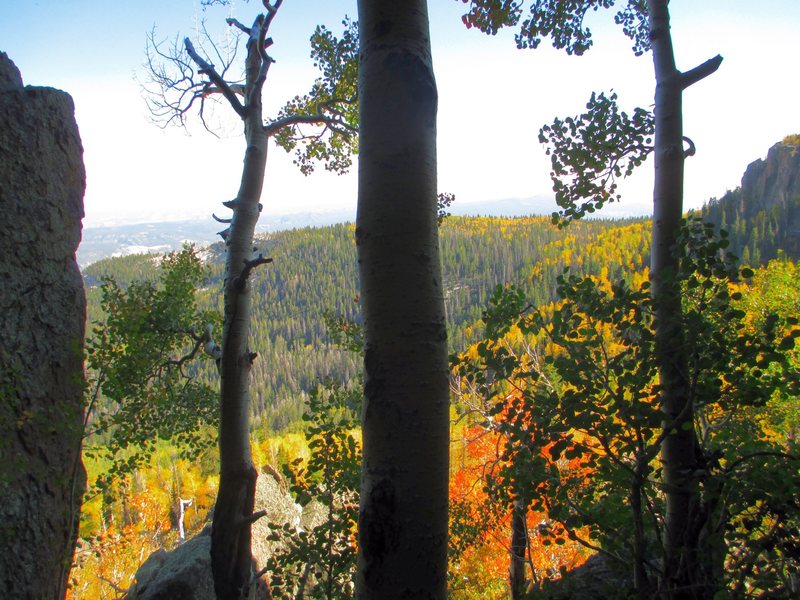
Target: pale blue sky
493 99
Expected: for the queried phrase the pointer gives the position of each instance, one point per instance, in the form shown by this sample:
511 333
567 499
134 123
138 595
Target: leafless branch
172 86
250 519
239 25
180 80
314 119
701 71
249 265
209 71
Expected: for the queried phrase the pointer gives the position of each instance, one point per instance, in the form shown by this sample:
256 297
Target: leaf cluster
591 151
332 138
139 359
320 562
561 20
576 400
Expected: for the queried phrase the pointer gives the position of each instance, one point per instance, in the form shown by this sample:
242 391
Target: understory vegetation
555 433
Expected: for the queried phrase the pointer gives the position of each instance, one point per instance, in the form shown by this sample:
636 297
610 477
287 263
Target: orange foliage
481 571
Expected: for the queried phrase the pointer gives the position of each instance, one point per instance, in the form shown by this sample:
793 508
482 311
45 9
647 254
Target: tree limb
250 519
701 71
313 119
732 467
238 24
208 69
249 265
691 150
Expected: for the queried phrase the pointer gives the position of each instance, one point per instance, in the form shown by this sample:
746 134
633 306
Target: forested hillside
314 273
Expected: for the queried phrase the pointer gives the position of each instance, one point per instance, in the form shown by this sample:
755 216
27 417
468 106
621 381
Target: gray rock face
775 180
185 573
42 315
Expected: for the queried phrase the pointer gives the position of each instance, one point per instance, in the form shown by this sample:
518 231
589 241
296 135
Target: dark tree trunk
640 580
403 512
679 446
679 450
518 551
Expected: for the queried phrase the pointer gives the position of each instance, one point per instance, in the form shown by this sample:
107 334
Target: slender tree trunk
231 558
640 579
679 450
519 546
403 512
679 446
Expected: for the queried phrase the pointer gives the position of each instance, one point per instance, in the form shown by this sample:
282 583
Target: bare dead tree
319 126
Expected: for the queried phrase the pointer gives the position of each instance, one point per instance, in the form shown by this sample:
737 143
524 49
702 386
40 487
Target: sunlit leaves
592 151
577 403
329 135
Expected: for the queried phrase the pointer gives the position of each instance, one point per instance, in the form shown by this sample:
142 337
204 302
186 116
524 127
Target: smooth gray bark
679 451
403 512
231 559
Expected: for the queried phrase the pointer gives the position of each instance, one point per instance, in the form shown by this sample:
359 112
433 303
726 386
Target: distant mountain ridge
156 237
764 213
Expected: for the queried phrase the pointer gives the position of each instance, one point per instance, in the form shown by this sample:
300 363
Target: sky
493 99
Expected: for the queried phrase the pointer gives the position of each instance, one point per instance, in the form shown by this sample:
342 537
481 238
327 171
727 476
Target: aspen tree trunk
231 559
679 450
403 512
679 446
519 546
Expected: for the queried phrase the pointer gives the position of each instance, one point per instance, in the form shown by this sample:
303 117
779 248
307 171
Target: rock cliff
776 179
763 214
42 306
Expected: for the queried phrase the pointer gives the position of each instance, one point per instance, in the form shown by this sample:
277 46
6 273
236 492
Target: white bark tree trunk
403 512
231 559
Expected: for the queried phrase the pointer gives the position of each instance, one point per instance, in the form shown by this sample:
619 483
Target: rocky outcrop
776 179
762 216
42 310
185 573
773 186
596 579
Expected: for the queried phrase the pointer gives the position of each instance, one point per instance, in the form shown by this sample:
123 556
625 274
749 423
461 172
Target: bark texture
517 551
403 512
684 572
231 559
42 327
678 451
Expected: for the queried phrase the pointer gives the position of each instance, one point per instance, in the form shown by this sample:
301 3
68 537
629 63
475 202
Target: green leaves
140 362
591 151
560 20
576 398
506 304
322 125
320 562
